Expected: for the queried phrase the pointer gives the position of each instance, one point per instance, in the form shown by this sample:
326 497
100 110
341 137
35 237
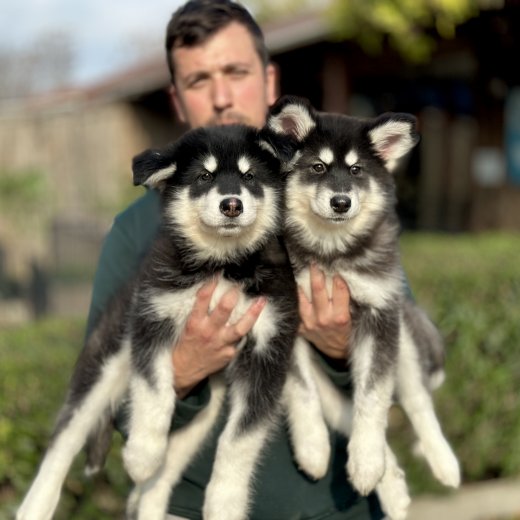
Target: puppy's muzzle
231 207
340 203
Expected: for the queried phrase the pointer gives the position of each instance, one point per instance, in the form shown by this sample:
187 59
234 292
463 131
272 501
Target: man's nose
222 95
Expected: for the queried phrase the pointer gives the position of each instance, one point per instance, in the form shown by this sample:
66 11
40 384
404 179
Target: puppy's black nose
231 207
340 203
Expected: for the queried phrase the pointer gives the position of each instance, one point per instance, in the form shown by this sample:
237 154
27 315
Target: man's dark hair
197 20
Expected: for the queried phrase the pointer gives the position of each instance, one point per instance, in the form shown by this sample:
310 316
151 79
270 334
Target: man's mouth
231 118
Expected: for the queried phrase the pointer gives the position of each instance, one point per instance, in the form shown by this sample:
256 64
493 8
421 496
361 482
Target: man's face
222 81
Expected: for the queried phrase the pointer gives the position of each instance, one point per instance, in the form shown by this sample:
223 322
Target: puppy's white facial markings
351 158
326 155
244 165
266 146
210 163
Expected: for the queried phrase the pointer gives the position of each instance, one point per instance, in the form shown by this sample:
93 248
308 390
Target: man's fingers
202 301
340 300
305 307
246 322
320 296
222 312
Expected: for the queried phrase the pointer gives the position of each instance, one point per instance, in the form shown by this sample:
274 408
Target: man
221 74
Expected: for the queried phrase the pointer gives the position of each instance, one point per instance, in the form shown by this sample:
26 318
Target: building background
73 148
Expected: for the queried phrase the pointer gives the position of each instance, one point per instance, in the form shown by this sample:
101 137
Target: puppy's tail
429 343
98 444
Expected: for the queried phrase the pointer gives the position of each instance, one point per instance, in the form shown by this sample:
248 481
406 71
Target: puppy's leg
417 402
372 400
152 402
308 431
238 449
77 420
257 378
182 447
392 489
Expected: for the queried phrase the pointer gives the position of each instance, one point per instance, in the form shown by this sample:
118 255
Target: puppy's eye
355 169
206 177
319 168
248 176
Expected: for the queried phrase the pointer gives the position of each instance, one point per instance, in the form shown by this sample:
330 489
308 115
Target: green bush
469 284
36 362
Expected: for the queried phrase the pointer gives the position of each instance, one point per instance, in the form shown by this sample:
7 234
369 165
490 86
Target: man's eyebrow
199 74
237 64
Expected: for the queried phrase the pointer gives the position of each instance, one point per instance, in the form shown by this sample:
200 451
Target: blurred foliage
266 10
411 27
36 362
21 190
470 285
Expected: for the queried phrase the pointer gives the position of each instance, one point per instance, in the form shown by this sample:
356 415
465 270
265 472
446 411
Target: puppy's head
221 189
339 168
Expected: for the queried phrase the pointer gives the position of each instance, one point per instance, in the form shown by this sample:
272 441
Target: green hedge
36 362
469 284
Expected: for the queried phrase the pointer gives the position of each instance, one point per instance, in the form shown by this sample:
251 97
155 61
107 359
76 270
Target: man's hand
326 321
208 342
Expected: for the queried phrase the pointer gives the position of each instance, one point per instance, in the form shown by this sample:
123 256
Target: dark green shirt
281 492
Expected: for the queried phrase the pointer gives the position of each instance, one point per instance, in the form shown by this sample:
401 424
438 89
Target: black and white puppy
341 216
222 211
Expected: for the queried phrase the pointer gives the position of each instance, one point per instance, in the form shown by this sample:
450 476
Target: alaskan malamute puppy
222 207
341 217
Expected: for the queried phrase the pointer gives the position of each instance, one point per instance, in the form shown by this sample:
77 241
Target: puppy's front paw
393 493
143 459
446 468
312 453
366 463
225 502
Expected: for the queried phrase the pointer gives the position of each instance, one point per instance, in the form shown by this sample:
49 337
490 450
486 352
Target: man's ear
272 83
292 116
392 136
153 168
177 103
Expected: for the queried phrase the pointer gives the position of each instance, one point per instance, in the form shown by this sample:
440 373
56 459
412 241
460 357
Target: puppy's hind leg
152 403
228 492
301 400
417 402
257 378
392 489
182 447
77 419
98 444
372 400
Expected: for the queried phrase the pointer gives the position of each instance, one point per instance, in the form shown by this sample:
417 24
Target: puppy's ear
153 167
292 116
392 136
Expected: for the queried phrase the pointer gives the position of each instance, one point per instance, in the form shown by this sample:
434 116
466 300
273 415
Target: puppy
222 205
341 217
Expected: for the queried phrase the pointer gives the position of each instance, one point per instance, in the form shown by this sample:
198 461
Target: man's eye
319 167
238 73
196 82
